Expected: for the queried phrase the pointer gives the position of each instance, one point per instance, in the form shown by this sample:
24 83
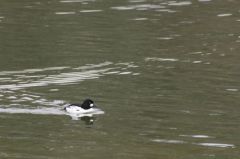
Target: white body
79 110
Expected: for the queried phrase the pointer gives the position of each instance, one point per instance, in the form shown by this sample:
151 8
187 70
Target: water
165 73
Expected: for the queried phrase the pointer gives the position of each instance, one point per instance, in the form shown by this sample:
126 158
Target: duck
87 106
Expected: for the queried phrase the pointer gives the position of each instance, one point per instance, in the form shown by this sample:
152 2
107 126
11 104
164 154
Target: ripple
73 76
27 99
224 15
112 72
196 136
232 89
204 0
91 66
64 13
123 8
136 74
138 7
183 3
168 141
75 1
54 90
14 84
90 11
196 62
137 1
30 95
139 19
41 111
218 145
12 97
1 18
165 38
166 10
161 59
49 111
17 99
26 71
125 73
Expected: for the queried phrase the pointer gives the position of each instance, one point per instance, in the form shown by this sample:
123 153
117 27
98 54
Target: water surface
166 74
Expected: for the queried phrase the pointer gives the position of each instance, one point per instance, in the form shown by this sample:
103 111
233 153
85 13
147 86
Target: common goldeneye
87 107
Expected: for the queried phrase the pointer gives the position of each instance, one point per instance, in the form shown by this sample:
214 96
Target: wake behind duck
86 109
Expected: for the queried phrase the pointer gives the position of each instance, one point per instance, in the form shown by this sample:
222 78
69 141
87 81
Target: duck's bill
95 106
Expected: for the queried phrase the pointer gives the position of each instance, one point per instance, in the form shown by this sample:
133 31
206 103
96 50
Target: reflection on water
88 120
169 141
164 6
21 80
30 78
74 1
43 111
90 11
197 136
217 145
183 3
160 59
63 13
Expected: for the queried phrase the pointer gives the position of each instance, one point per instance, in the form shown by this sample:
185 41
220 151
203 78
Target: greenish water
166 74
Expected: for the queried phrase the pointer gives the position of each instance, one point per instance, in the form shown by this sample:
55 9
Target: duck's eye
91 105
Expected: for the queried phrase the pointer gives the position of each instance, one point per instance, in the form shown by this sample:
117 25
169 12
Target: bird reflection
88 120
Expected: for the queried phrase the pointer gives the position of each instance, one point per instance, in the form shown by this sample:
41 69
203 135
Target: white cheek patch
91 105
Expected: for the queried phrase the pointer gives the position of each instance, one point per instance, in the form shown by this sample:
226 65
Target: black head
87 104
